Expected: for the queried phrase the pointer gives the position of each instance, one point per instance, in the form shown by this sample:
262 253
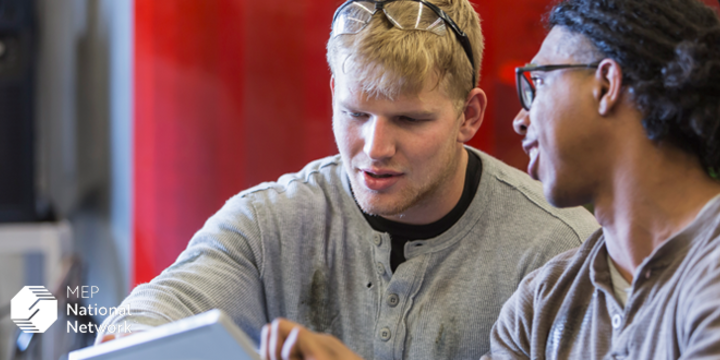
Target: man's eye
354 114
409 119
536 80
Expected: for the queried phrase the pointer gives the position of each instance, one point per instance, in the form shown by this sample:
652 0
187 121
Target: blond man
407 243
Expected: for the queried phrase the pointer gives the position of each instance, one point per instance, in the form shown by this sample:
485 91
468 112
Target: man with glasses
621 110
406 244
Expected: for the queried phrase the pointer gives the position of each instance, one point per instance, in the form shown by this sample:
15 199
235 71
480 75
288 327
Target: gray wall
84 145
84 130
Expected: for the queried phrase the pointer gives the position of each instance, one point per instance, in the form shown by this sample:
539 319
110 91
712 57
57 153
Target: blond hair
387 61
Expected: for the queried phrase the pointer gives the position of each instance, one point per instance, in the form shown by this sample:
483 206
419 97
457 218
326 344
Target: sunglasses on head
352 17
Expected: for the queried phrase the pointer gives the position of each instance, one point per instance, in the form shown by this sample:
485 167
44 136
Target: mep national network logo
34 309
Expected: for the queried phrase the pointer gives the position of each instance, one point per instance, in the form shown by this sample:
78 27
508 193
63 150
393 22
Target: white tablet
207 336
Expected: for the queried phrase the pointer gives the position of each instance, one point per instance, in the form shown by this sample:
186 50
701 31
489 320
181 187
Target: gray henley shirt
300 248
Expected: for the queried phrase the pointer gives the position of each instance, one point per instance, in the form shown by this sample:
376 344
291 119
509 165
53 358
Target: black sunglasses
379 5
525 85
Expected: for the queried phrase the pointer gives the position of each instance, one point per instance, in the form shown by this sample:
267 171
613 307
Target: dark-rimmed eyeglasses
526 86
352 16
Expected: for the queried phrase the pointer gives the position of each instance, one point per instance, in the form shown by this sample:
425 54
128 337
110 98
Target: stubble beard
372 203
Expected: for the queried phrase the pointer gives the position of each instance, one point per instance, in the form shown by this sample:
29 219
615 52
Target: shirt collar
599 270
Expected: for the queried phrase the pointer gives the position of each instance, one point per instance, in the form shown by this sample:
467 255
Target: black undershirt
401 233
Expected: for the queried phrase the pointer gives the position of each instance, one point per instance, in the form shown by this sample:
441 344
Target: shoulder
537 299
513 192
701 264
319 181
554 278
698 309
319 186
254 221
319 174
701 276
567 266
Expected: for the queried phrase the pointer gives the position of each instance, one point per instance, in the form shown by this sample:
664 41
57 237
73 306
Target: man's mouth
532 169
528 145
533 153
378 176
380 179
380 173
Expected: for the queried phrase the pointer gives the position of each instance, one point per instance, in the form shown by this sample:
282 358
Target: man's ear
473 113
609 89
332 85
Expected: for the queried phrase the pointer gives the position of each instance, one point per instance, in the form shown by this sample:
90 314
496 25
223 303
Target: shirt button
616 321
648 274
377 240
393 300
385 334
380 268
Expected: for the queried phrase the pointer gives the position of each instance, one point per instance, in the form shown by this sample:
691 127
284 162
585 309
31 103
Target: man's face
399 154
563 135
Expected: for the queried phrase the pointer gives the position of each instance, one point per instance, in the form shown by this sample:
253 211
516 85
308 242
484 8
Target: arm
221 268
511 334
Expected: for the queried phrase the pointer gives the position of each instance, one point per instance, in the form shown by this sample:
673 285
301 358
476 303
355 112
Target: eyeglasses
352 16
526 86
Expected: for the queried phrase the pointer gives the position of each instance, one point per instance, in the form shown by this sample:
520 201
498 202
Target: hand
110 337
286 340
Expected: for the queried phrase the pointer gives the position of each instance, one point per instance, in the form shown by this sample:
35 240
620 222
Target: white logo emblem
34 309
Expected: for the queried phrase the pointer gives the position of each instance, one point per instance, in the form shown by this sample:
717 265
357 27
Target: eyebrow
410 113
417 114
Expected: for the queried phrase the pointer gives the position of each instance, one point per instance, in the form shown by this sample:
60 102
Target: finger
289 345
275 338
107 338
264 334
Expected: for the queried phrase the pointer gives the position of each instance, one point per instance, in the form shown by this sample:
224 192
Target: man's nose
521 122
379 139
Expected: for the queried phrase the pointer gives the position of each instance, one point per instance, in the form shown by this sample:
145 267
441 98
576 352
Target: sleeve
702 325
511 334
222 268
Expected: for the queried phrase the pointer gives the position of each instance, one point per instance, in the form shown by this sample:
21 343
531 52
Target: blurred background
125 124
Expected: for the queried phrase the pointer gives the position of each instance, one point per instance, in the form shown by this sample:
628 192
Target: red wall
229 93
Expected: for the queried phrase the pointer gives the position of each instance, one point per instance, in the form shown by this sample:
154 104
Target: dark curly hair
669 51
